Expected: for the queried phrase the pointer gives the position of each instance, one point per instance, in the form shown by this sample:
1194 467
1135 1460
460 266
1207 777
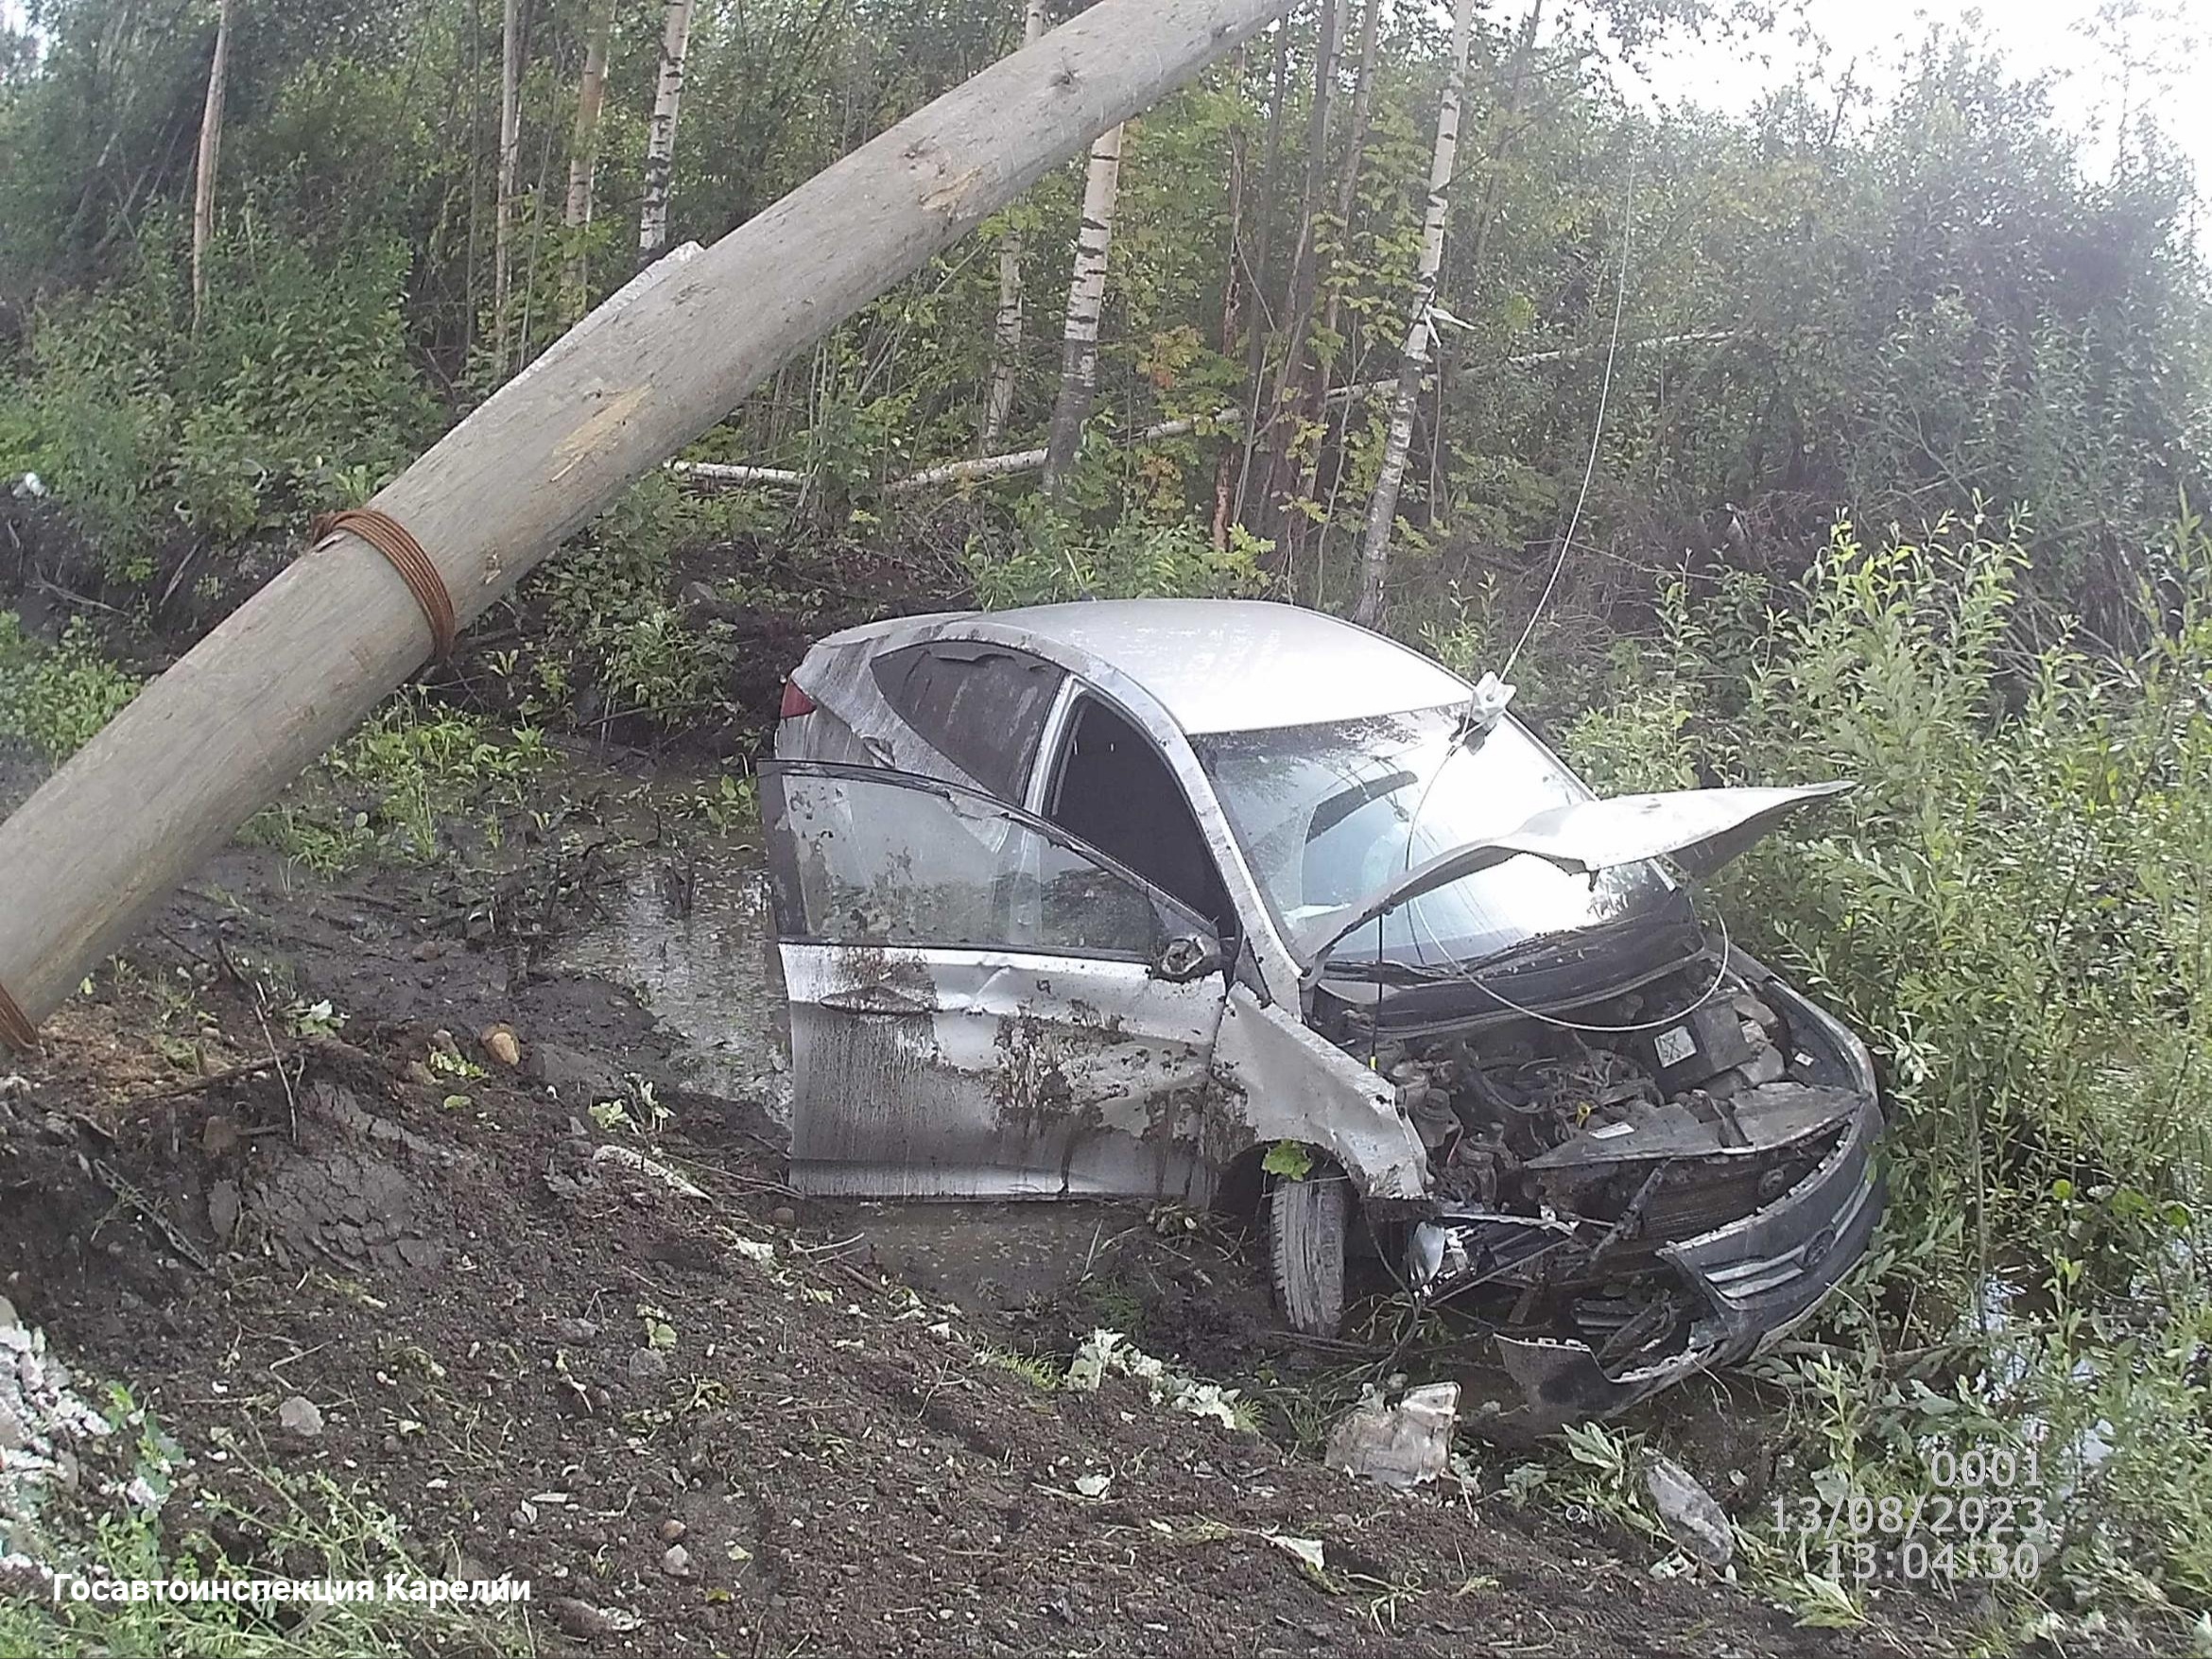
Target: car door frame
963 1070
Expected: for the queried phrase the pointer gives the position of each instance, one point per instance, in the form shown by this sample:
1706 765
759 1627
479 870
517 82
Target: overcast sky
2095 79
2094 82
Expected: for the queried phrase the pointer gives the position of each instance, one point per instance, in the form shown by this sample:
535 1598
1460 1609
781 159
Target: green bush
414 769
612 621
56 696
2010 908
1053 557
295 389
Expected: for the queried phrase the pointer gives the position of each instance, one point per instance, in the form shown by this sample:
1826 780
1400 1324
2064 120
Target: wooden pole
303 662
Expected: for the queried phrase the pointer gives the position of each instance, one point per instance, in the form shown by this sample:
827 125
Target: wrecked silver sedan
1228 902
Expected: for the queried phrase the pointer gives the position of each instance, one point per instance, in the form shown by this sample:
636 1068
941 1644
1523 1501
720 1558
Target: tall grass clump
2012 908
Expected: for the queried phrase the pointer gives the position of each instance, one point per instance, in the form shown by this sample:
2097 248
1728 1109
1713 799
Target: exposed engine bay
1566 1160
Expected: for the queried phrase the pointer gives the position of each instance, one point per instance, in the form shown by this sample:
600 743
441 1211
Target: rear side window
981 706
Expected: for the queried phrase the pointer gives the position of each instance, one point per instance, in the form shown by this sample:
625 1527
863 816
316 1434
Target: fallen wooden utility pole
303 661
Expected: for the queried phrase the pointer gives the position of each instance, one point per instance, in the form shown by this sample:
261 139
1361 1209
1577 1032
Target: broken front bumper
1752 1280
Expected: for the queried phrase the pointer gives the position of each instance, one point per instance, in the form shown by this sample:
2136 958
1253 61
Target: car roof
1214 664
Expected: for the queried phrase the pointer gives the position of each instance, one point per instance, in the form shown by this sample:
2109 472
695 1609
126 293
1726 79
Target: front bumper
1752 1279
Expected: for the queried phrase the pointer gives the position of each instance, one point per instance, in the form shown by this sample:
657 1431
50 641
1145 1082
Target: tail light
796 702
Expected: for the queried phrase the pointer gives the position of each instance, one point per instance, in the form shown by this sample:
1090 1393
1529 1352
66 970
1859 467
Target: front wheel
1307 1220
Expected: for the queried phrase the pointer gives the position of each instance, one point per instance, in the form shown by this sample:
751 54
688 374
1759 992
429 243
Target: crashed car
1210 900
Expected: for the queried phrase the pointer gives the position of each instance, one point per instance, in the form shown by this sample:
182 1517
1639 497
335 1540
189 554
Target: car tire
1307 1222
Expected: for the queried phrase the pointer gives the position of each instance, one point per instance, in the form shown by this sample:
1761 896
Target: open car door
981 1006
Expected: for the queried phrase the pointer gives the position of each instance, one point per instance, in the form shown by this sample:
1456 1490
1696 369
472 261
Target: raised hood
1698 829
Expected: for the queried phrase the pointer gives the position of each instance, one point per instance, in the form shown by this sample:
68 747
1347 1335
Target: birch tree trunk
1086 299
210 142
1299 301
653 220
1007 336
1256 344
509 160
584 158
1316 394
299 664
1355 150
1232 274
1382 512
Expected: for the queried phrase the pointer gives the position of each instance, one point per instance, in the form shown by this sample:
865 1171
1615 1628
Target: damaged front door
981 1006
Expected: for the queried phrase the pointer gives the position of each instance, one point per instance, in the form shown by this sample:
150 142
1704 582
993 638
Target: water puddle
691 934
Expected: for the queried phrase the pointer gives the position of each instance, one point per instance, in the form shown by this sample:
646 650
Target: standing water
692 936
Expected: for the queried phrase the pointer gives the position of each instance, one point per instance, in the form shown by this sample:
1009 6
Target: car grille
1693 1198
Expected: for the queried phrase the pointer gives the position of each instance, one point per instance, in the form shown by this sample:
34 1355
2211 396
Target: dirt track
548 1363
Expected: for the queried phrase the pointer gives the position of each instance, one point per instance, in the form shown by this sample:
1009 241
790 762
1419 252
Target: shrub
1054 557
55 697
295 389
2010 908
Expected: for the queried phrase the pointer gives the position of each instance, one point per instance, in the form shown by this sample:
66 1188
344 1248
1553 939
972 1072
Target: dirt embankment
698 1420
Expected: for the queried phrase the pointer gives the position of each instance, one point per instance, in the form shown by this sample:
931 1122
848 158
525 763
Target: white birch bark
509 159
1382 512
211 141
652 223
1007 335
584 154
1086 299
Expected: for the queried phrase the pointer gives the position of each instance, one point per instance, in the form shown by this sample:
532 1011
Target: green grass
56 696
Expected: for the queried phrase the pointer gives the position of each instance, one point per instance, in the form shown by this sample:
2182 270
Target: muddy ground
721 1420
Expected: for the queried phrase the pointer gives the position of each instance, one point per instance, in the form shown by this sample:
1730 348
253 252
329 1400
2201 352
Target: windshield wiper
1345 803
1546 947
1517 957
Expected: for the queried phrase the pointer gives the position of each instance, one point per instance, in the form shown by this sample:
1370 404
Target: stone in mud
577 1076
499 1043
584 1621
218 1135
677 1563
648 1363
223 1207
300 1417
8 1314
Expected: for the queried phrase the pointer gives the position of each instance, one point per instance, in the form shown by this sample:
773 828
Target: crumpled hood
1698 829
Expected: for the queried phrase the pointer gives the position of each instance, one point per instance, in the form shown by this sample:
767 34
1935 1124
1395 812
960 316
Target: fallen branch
718 474
111 1177
213 1080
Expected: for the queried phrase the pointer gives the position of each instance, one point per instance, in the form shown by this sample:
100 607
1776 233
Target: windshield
1328 814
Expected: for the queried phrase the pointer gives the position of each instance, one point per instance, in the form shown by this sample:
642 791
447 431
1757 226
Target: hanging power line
1628 222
